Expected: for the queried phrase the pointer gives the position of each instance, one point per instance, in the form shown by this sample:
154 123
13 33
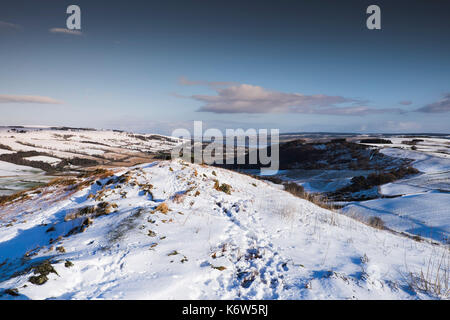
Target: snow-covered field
14 177
422 202
45 159
66 143
438 147
10 169
321 180
53 145
257 242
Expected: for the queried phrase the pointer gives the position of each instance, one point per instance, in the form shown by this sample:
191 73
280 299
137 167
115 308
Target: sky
298 66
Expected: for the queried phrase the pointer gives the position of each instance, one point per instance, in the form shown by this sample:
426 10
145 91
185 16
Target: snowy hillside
29 156
418 204
171 230
104 146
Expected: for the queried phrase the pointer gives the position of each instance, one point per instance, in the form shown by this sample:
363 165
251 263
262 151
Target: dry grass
287 210
435 279
316 198
25 194
14 197
226 188
163 208
147 189
103 208
376 222
73 183
294 189
99 173
61 182
178 197
320 200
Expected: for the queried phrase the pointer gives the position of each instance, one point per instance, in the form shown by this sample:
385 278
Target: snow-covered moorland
51 145
418 204
173 230
29 154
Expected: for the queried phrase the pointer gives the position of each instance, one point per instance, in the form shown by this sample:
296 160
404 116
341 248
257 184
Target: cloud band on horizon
6 98
9 26
246 98
440 106
66 31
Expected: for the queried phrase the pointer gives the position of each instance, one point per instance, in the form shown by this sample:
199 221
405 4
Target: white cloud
440 106
6 98
9 26
66 31
232 97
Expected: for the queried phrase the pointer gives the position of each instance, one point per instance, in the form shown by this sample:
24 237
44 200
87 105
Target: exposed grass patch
103 208
61 182
12 292
68 264
226 188
61 249
316 198
294 189
22 195
220 268
178 197
81 228
41 272
147 189
376 222
99 173
163 208
4 147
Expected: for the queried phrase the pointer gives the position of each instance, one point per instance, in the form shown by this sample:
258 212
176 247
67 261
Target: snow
46 159
423 162
398 189
10 169
321 180
437 147
423 214
259 242
66 144
12 184
3 151
422 205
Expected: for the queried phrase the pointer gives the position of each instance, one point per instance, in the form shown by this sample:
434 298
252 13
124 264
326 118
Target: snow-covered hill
29 154
172 230
103 146
418 204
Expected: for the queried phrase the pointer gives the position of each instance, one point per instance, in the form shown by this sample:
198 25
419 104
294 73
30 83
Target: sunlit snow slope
171 230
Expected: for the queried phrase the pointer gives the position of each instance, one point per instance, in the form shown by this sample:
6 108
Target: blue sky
297 66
